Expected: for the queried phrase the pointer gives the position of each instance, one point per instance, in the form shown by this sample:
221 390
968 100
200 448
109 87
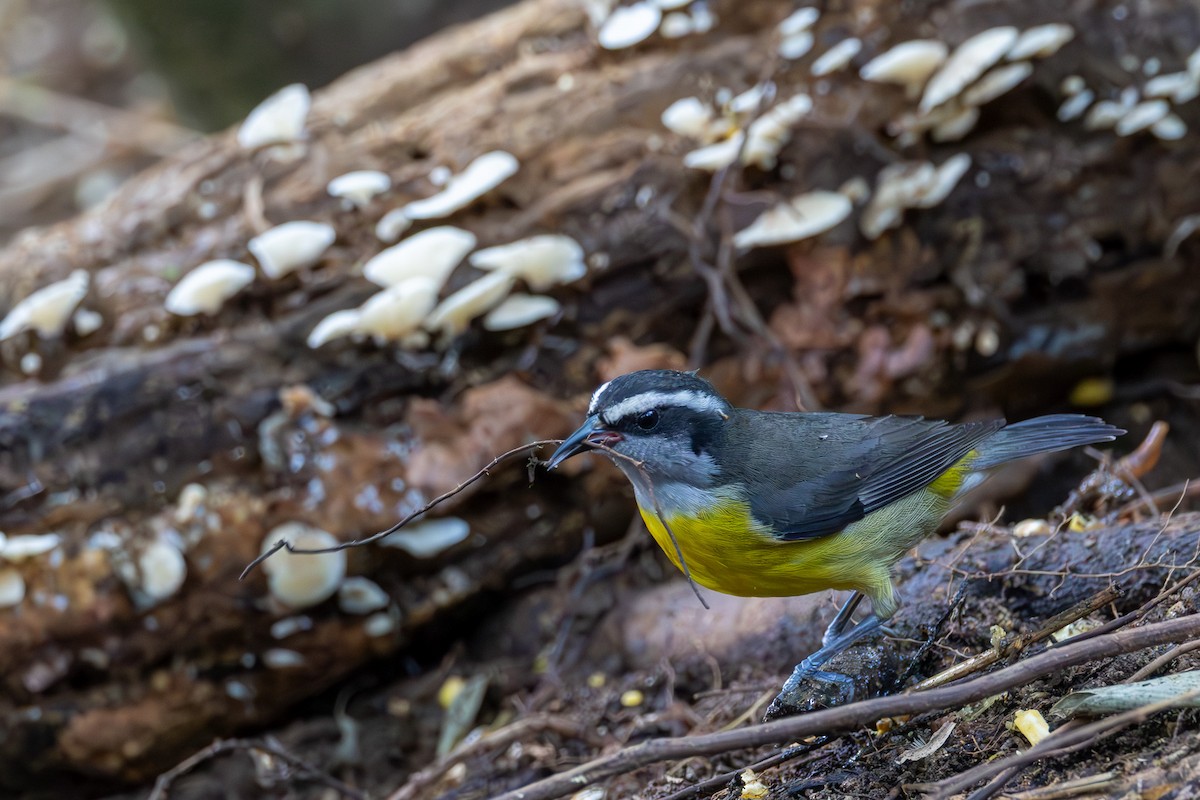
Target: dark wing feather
827 471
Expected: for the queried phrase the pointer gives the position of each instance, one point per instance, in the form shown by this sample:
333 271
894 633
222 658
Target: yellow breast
728 551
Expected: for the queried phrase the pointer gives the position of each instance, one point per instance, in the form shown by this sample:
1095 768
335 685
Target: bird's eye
647 420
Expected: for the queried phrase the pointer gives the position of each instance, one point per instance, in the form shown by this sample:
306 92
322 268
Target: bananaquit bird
779 504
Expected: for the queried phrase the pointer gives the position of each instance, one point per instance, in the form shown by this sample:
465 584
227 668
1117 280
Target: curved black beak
577 442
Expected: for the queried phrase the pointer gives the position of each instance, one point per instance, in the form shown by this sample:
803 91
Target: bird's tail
1042 435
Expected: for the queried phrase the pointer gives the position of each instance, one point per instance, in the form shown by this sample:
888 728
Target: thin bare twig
844 718
1018 643
162 785
1059 743
283 544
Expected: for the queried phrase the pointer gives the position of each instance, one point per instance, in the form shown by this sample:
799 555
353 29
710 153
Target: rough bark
1060 251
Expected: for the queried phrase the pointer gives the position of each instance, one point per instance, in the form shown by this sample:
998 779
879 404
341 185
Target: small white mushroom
428 538
688 117
454 314
282 658
796 45
909 185
968 61
380 624
47 310
281 629
955 126
1041 41
837 57
432 253
760 94
799 21
1075 105
396 312
1180 87
1105 114
206 288
360 186
31 364
715 156
358 595
803 217
1142 116
334 326
541 261
303 580
162 570
997 82
1169 128
86 321
12 588
703 19
480 177
519 310
19 548
291 246
629 25
676 25
392 225
1072 84
945 178
277 120
908 64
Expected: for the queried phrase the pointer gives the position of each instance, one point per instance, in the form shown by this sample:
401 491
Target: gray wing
822 472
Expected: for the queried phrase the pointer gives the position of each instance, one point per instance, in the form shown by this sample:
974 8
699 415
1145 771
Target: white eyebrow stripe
596 397
705 404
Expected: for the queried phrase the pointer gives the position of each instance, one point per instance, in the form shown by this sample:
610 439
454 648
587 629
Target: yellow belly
727 551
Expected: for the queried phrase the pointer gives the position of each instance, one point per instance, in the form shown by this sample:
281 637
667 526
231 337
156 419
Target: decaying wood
1060 252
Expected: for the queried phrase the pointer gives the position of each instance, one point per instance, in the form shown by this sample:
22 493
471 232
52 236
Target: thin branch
1018 643
843 718
162 785
283 544
1059 743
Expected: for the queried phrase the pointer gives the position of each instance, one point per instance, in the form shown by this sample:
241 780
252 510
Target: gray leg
838 626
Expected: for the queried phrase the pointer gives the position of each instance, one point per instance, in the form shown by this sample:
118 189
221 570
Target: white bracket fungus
1041 41
162 570
910 185
358 595
689 116
795 45
86 321
282 658
19 548
12 588
428 538
519 310
908 64
997 82
454 314
432 254
360 186
767 136
541 261
675 25
1142 116
968 61
837 57
291 246
1075 105
300 581
480 177
336 325
629 25
206 288
398 311
799 21
803 217
1180 87
47 310
392 225
1169 128
277 120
